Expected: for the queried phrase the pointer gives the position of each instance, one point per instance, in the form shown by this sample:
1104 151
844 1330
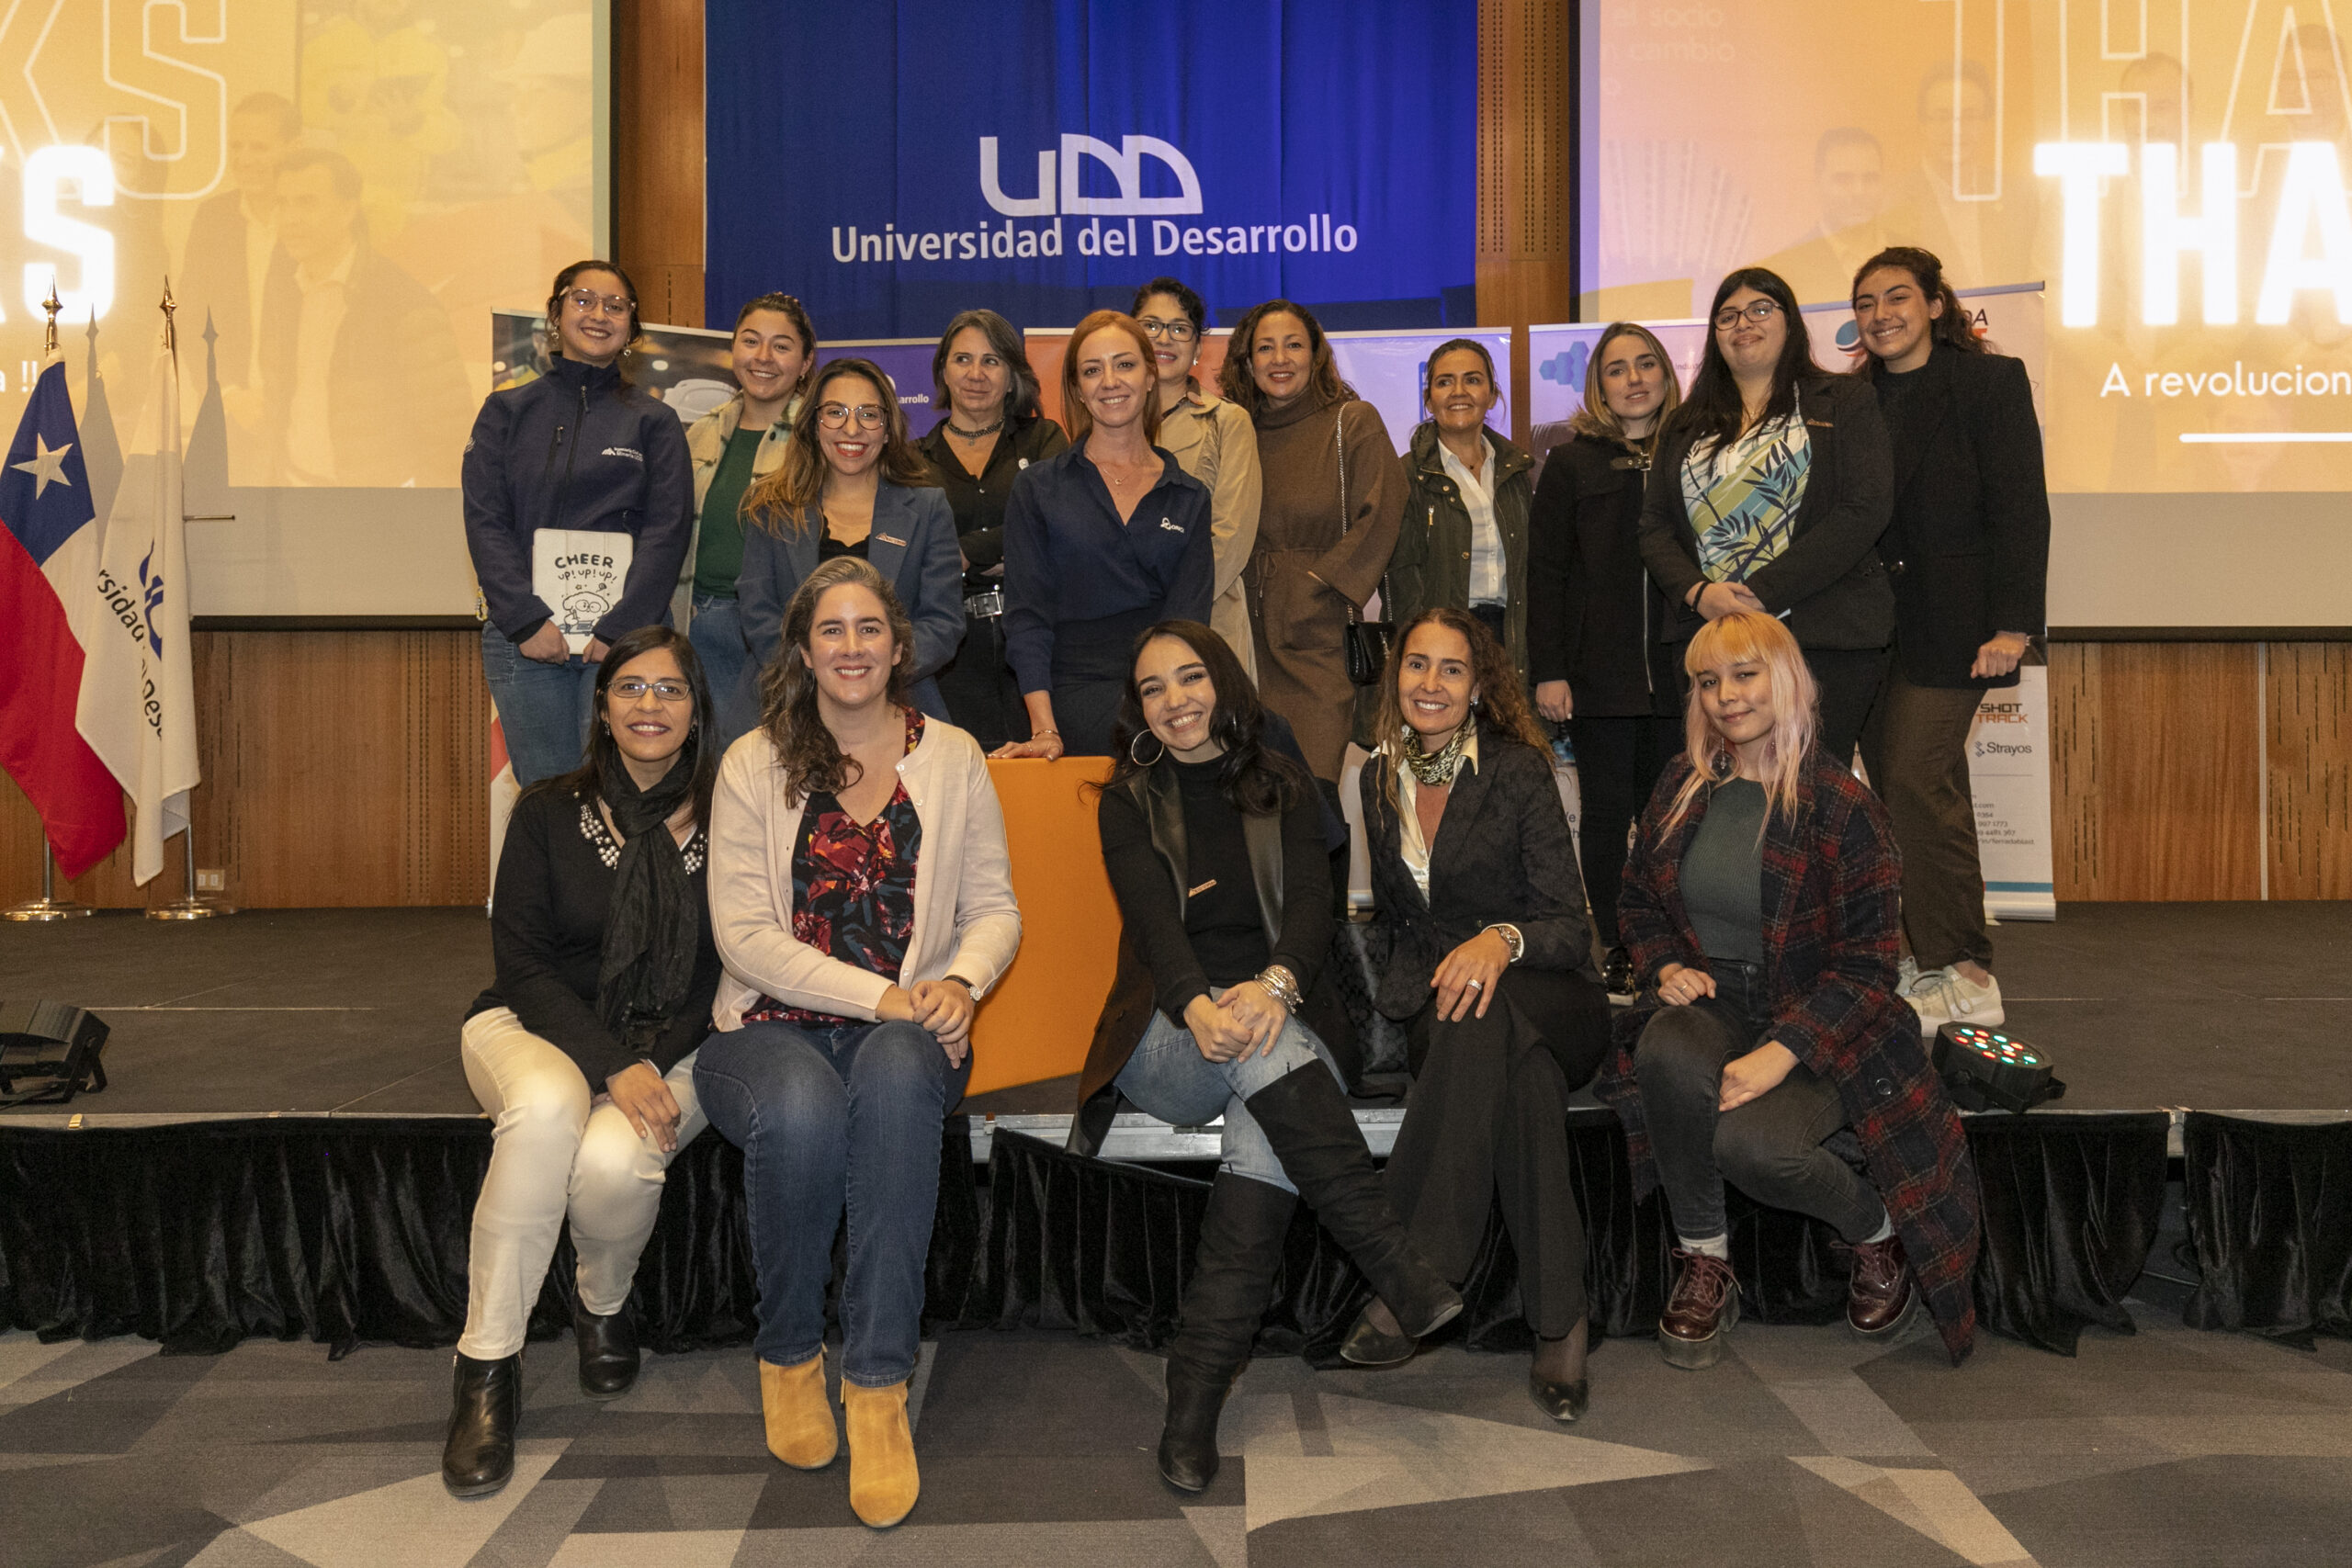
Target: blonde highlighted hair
1594 417
1749 636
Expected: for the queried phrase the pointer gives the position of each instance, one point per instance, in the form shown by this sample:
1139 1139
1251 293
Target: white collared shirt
1489 581
1409 843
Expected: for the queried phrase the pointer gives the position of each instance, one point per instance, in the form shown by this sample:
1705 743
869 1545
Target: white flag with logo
138 706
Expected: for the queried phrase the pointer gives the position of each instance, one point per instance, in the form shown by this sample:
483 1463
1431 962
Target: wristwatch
966 984
1511 939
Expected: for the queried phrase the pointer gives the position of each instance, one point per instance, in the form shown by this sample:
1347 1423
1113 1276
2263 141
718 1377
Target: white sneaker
1946 995
1906 974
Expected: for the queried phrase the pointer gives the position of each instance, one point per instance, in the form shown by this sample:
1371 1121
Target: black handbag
49 1052
1366 641
1360 954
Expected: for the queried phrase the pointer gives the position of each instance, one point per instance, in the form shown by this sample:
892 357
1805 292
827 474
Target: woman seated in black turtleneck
1213 842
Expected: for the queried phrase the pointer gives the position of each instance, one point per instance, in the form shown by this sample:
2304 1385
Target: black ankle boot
1313 1134
608 1356
478 1457
1233 1271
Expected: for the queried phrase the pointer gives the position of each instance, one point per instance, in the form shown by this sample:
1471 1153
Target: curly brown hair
1240 386
804 749
1500 705
783 500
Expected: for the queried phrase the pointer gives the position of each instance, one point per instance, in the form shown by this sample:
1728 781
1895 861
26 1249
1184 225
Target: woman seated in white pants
584 1049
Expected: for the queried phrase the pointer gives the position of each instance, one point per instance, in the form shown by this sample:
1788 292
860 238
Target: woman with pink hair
1768 1048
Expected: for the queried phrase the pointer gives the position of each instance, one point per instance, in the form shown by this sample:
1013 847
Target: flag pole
47 907
189 906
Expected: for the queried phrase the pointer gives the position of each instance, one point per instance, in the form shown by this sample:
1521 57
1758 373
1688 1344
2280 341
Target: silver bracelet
1280 984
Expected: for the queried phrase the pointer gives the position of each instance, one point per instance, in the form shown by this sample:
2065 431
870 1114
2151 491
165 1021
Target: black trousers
1488 1120
979 687
1781 1148
1618 762
1848 679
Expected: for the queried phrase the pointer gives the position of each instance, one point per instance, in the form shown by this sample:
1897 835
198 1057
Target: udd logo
1126 164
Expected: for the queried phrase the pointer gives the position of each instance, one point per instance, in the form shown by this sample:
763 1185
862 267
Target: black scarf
652 924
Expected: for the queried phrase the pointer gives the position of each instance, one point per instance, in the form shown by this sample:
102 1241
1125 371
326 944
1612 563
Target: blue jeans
544 708
834 1121
716 632
1166 1077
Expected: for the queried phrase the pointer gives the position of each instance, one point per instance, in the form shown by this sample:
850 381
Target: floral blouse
853 888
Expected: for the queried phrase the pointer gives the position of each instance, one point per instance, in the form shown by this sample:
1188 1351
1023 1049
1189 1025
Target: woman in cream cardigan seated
862 904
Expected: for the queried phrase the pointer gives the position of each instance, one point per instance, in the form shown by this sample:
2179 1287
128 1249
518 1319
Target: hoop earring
1138 740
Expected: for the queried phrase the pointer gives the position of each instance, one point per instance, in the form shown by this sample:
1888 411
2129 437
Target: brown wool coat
1304 576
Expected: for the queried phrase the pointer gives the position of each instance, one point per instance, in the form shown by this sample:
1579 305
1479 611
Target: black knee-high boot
1313 1134
1233 1271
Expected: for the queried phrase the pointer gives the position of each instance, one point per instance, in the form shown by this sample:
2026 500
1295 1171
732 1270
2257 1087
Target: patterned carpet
2167 1447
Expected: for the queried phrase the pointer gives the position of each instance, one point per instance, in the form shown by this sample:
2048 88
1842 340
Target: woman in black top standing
1771 486
993 429
1968 554
584 1049
1220 1006
1489 966
1594 619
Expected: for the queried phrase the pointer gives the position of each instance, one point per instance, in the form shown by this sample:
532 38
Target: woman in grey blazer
853 484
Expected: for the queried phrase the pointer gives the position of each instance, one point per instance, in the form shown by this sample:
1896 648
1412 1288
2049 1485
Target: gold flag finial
171 333
53 305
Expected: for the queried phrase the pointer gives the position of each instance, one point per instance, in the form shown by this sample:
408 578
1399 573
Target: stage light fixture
1984 1069
49 1052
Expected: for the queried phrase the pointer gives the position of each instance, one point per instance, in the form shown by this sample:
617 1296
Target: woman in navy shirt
1099 542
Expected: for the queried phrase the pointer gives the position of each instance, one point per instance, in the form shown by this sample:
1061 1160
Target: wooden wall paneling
2154 773
2308 708
658 155
1526 153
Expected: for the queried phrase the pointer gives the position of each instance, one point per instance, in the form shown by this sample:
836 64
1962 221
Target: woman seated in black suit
1475 878
1213 842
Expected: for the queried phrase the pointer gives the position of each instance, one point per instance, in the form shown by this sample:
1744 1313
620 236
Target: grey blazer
912 545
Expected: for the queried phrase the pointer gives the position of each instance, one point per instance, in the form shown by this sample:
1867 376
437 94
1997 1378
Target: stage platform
355 1013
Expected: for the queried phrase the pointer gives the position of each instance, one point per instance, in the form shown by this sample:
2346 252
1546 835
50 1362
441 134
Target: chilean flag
49 557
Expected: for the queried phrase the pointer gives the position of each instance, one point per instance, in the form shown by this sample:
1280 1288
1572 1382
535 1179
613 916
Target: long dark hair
1927 270
811 758
562 285
1254 781
1502 701
1021 390
702 749
1235 381
1715 409
782 499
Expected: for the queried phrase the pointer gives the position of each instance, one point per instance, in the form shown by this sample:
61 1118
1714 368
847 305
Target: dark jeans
979 687
1618 762
1770 1148
1487 1120
834 1121
1916 747
717 633
1849 680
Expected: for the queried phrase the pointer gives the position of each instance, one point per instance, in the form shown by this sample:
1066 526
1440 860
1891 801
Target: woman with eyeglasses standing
1595 618
1214 442
1334 495
579 505
773 354
1099 542
993 429
852 484
1772 484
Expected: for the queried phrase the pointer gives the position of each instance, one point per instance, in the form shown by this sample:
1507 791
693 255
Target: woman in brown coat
1334 492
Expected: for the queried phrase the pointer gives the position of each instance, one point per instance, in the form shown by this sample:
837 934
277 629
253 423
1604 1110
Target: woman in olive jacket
1771 486
1463 541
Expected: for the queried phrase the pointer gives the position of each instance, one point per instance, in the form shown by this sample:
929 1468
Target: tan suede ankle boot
883 1482
800 1417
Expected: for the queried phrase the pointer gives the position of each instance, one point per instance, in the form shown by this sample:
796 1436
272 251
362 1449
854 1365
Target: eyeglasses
1174 332
589 303
1760 311
633 690
835 416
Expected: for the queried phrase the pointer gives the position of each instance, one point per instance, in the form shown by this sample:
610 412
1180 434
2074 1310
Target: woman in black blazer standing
1490 965
1968 553
1220 1008
1594 617
1770 489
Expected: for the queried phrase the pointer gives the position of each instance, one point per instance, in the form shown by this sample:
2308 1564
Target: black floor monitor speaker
1984 1069
49 1052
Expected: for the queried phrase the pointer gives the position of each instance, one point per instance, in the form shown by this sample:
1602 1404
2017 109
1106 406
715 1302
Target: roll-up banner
2009 745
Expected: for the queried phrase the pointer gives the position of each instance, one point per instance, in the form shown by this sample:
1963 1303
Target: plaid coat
1832 877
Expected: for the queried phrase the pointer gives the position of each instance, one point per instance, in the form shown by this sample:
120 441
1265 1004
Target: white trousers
552 1155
